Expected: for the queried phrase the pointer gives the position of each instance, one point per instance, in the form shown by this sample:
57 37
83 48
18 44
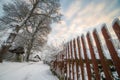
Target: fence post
102 57
66 62
80 58
72 59
76 59
116 28
95 64
111 48
86 57
69 61
62 64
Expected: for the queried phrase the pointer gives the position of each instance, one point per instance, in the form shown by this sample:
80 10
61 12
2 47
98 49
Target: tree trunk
30 45
17 57
3 50
28 54
27 59
0 58
11 36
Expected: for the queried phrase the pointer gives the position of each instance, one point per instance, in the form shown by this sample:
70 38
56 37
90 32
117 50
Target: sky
80 16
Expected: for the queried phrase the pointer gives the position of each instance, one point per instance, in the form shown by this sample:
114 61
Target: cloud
79 19
72 9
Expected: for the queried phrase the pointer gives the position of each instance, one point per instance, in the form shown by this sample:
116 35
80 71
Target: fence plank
62 64
75 54
94 61
101 54
69 61
71 48
116 28
111 48
86 58
80 58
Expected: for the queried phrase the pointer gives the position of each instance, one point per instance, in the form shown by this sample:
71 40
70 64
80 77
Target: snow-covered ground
25 71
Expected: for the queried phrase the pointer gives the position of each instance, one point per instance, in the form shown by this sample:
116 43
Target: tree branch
30 13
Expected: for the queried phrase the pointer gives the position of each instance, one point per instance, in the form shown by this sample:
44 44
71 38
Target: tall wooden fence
84 57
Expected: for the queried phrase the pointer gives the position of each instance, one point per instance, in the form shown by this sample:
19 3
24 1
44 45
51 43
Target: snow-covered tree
35 17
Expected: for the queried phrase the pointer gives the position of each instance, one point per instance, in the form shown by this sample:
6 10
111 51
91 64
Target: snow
25 71
4 34
116 20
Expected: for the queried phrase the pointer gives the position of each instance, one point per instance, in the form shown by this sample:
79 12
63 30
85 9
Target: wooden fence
84 57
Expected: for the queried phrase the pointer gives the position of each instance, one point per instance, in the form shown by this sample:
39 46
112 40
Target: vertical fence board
67 68
69 61
80 58
75 54
116 28
86 58
94 61
62 64
111 48
71 48
102 58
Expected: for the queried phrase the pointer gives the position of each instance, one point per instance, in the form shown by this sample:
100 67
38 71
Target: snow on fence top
100 60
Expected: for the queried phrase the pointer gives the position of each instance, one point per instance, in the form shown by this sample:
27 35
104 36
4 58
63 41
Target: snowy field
25 71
